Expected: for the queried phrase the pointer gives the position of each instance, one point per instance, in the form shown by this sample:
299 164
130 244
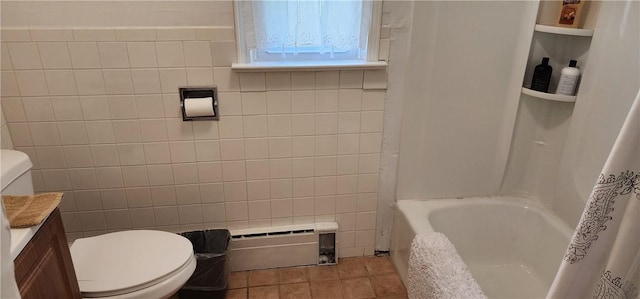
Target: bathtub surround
97 110
547 157
602 258
556 149
559 149
457 126
604 99
555 155
396 18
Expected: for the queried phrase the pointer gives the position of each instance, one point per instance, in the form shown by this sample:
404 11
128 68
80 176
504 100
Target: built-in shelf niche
560 44
560 48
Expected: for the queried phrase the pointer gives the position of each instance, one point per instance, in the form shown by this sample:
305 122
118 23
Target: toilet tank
15 174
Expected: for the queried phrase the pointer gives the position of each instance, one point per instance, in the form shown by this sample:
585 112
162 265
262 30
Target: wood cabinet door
44 268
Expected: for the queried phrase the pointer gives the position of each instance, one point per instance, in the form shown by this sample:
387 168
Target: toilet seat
117 265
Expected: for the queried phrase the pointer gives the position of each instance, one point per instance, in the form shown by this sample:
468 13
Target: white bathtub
512 246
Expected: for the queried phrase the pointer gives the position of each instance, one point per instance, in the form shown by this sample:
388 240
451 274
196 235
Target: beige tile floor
352 278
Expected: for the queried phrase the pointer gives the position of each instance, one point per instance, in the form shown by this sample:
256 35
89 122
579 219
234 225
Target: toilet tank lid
13 165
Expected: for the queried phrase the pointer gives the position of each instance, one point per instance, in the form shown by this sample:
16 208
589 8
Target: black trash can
210 279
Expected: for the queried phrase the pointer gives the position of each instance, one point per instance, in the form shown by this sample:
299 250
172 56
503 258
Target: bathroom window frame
371 62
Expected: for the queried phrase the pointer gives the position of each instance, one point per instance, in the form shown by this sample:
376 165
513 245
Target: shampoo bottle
568 79
542 76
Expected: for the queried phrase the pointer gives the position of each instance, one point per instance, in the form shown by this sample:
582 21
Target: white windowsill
276 66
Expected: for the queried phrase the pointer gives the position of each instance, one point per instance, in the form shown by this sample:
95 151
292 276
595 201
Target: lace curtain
292 27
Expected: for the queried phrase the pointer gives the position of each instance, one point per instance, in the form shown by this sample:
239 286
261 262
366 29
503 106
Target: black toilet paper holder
199 92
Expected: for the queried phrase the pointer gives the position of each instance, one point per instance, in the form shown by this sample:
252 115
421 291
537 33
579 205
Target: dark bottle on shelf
542 76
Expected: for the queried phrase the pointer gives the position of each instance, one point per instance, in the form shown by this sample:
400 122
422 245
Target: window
307 32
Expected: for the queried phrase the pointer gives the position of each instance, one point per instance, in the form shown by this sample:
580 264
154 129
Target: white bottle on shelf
568 79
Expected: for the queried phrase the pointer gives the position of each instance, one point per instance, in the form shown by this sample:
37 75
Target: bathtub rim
417 211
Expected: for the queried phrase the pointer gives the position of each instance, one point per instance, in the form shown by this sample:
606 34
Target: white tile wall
97 111
6 141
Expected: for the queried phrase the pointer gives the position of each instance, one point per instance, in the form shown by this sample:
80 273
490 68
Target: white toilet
127 264
132 264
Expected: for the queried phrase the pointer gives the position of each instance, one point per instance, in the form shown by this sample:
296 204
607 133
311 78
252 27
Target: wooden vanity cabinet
44 268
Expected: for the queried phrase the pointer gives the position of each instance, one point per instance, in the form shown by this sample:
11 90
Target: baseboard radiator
284 246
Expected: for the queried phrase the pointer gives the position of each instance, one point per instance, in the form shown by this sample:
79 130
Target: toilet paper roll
198 107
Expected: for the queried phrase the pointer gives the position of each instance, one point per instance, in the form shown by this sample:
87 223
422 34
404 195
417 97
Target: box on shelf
570 13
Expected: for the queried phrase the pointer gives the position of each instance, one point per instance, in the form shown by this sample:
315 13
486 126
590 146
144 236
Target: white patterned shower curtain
603 257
